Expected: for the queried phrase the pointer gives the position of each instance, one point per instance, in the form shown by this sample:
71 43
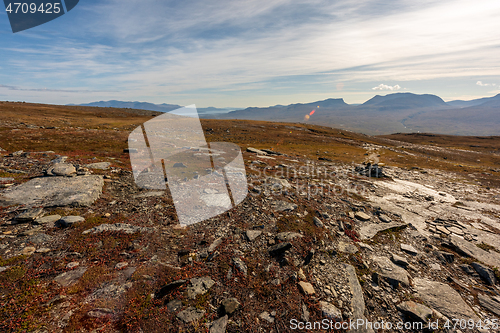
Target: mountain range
392 113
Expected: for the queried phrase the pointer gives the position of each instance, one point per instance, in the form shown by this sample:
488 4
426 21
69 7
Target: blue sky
254 53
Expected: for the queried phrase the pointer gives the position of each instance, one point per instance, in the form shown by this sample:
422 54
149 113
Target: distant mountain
150 106
495 100
393 113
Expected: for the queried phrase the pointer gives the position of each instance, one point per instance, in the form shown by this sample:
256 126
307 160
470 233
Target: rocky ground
83 249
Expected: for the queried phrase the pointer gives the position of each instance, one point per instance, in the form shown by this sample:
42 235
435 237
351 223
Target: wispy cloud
480 83
386 87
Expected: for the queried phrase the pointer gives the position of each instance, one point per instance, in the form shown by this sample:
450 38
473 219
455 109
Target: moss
486 247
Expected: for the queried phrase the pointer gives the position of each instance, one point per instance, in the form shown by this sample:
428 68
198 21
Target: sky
254 53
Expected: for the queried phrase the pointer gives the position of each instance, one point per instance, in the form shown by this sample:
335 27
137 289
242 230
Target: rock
443 230
394 274
443 298
240 265
73 264
408 248
43 250
401 261
61 169
59 159
169 287
174 305
31 232
229 305
214 244
199 286
489 304
252 234
287 236
305 313
362 216
415 311
179 165
301 275
256 151
98 166
29 215
27 251
469 249
283 206
467 269
330 311
100 313
447 256
219 325
368 231
121 265
346 247
68 221
318 222
47 219
357 301
279 248
456 231
267 317
485 272
118 227
277 184
54 192
365 246
306 288
384 218
190 314
69 278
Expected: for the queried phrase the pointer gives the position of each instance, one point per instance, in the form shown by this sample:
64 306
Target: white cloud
386 87
480 83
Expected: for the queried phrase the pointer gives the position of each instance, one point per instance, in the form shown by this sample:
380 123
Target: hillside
83 249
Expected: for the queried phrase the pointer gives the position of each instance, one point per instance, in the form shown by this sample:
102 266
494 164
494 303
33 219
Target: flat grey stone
120 227
456 231
485 272
415 311
489 303
69 278
267 317
98 166
252 234
240 265
174 305
54 192
329 310
40 238
346 247
398 260
214 244
29 215
219 325
230 305
384 218
199 286
47 219
190 314
362 216
394 274
408 248
306 288
283 206
68 221
357 301
287 236
368 231
61 169
470 249
443 298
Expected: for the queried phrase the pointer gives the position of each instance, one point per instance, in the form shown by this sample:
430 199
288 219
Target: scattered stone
118 227
287 236
167 288
448 257
279 248
443 230
69 278
467 269
318 222
398 260
362 216
190 314
179 165
456 231
306 288
72 264
219 325
121 265
230 305
61 169
408 248
29 215
330 311
54 192
471 250
305 313
267 317
68 221
214 244
485 272
199 286
394 274
240 265
43 250
415 311
256 151
444 299
368 231
365 246
100 313
98 166
27 251
253 234
489 303
174 305
47 219
344 247
384 218
301 275
357 301
149 194
283 206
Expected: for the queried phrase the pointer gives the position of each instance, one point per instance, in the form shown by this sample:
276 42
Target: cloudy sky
255 52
